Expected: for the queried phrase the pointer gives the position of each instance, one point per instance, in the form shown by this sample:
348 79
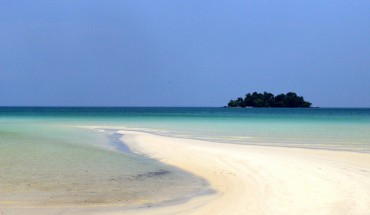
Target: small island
268 100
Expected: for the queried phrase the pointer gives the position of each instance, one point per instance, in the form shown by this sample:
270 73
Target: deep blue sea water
43 152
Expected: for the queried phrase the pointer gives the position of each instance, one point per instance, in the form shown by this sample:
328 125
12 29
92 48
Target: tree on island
265 99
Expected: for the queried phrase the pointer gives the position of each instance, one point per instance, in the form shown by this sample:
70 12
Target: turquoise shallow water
43 154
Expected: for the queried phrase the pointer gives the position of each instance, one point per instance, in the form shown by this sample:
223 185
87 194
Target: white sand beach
262 180
249 179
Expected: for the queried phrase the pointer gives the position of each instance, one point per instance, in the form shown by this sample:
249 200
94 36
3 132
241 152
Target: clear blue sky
183 52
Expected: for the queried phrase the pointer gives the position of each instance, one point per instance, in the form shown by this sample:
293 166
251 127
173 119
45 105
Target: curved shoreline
249 179
262 179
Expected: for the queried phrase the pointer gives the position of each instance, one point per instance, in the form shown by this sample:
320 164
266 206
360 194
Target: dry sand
263 180
251 179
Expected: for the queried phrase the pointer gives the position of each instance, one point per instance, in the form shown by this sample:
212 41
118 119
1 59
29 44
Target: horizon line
100 106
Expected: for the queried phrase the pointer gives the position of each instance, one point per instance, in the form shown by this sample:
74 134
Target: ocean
47 156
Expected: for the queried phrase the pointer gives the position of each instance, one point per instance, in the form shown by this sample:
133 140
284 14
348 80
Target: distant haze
183 53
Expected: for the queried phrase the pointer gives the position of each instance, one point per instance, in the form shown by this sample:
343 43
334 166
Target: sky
183 52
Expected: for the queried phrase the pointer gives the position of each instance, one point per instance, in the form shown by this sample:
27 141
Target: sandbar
250 179
262 179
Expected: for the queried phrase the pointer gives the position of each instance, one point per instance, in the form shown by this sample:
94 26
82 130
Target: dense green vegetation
265 99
